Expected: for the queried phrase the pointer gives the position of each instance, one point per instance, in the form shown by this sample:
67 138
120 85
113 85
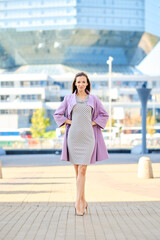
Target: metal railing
57 143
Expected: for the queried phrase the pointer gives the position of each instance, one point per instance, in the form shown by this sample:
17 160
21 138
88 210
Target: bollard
0 170
145 168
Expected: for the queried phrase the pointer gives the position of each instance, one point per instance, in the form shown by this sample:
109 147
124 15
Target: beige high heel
78 214
86 208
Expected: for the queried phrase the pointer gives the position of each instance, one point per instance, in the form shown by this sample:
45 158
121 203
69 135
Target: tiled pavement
57 221
36 203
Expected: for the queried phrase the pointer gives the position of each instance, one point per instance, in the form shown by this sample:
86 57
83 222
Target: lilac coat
99 115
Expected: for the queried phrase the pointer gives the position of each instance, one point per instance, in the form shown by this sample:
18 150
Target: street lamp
109 62
153 101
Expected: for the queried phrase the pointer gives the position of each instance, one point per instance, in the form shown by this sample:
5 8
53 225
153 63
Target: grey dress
80 139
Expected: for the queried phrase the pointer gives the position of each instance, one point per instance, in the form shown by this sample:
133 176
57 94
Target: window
25 84
4 98
6 111
33 97
154 84
38 97
13 111
7 84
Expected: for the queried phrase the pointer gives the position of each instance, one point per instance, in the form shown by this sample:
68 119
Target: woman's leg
76 170
81 187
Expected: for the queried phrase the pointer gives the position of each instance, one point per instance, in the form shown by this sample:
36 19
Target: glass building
44 43
76 31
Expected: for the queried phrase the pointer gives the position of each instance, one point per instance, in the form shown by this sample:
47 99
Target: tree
151 120
112 122
132 120
39 123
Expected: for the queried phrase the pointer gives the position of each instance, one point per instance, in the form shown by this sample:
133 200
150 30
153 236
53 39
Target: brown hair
79 75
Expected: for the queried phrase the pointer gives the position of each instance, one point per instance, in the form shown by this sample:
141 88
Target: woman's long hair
79 75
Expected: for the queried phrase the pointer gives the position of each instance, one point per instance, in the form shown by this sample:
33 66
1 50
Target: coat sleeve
102 115
59 113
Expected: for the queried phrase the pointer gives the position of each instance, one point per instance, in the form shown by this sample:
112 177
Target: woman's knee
82 170
76 168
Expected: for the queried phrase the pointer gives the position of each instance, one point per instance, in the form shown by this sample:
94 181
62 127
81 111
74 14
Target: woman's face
81 83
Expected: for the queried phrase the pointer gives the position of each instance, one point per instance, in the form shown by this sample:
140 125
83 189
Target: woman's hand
93 123
68 121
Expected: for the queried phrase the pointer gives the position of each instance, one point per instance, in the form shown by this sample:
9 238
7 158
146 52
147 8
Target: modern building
44 43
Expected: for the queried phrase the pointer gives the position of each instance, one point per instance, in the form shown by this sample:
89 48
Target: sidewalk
37 202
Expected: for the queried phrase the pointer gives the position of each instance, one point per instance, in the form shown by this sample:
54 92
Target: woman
84 116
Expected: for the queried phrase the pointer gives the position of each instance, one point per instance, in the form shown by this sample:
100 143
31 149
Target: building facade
21 94
44 43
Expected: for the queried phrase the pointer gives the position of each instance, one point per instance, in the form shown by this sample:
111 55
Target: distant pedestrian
84 116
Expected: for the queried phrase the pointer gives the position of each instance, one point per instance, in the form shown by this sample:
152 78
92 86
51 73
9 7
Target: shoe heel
87 210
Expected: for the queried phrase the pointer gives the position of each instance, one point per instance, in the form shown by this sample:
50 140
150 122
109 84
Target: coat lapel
90 101
71 103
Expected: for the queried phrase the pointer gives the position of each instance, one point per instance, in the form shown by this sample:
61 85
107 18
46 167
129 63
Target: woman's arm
102 116
59 113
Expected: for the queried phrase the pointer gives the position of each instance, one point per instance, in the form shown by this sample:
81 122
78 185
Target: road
54 160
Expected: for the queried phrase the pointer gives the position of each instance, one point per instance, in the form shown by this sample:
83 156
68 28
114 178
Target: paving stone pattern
103 221
37 203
